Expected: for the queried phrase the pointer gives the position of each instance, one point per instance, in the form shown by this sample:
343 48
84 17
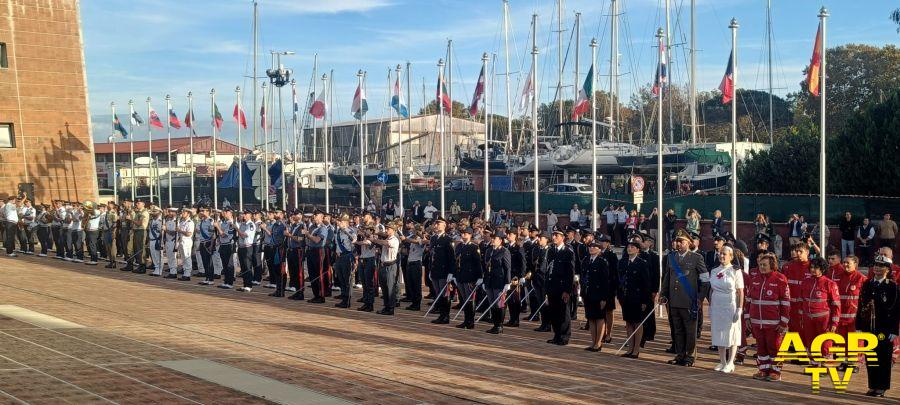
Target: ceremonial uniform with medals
441 266
680 288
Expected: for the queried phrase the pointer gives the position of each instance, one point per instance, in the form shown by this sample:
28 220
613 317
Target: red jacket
834 272
767 301
849 287
821 299
796 271
895 269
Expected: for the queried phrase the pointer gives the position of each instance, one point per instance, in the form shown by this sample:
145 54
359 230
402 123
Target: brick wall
43 93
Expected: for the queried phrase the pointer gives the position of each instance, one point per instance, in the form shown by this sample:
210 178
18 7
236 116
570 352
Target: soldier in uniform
595 293
343 266
652 258
498 280
123 238
388 277
538 279
155 241
44 220
468 276
111 223
441 269
517 256
560 288
413 279
140 219
613 261
246 233
295 246
184 245
170 235
226 234
879 314
634 294
273 243
315 242
680 290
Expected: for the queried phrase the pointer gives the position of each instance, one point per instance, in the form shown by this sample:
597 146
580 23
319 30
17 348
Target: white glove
506 288
737 315
449 278
479 282
576 278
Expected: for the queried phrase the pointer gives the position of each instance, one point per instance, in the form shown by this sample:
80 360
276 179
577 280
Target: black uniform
560 281
594 286
634 288
442 264
539 285
879 313
468 271
652 259
580 251
517 257
613 261
497 275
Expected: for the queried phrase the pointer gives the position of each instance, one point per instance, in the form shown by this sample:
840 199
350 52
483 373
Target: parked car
459 184
568 188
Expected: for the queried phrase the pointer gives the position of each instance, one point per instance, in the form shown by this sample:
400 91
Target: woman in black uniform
634 295
879 314
595 292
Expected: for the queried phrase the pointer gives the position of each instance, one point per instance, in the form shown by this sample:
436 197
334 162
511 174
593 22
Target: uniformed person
273 252
123 238
652 258
184 245
140 219
634 294
681 285
441 268
879 314
560 282
295 246
468 275
595 293
345 236
155 241
170 236
497 280
206 242
246 233
111 223
613 261
413 276
315 260
517 272
538 280
388 278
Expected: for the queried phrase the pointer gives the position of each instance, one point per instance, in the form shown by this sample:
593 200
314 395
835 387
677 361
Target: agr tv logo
856 344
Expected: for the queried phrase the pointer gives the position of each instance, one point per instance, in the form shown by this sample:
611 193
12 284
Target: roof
202 145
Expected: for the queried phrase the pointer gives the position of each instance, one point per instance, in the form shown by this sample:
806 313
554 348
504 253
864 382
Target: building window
4 61
7 136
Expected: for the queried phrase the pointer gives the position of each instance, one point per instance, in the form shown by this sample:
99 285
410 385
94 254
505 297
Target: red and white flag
479 92
239 116
154 119
727 84
319 107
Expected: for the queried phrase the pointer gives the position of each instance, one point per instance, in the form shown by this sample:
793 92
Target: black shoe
170 276
676 361
457 306
404 299
670 349
140 270
553 341
109 266
466 325
127 268
688 363
512 324
608 339
714 348
562 342
276 294
359 300
365 308
343 304
153 275
441 320
217 276
544 328
413 308
317 300
496 330
385 312
298 296
182 278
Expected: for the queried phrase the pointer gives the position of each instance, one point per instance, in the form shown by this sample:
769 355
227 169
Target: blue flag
117 125
397 101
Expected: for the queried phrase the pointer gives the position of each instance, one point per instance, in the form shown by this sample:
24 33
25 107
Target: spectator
669 226
584 219
389 209
429 211
693 221
631 223
371 208
609 214
718 224
797 229
574 215
552 220
455 210
887 231
763 226
621 218
417 212
865 234
848 233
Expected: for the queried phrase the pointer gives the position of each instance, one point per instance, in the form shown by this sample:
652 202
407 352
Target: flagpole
240 144
267 93
390 124
823 227
399 139
169 143
281 145
487 142
295 141
534 128
215 155
450 113
315 143
326 143
131 145
734 78
660 180
112 140
190 97
362 147
594 215
508 96
440 102
613 69
408 115
150 150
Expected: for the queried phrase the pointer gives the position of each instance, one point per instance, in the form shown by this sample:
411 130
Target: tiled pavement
133 321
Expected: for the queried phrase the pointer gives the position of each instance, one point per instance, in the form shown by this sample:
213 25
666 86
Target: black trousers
206 252
26 239
54 235
413 280
10 242
122 240
390 282
367 274
880 374
536 298
273 260
560 321
92 238
43 235
684 330
314 262
257 264
225 253
650 325
343 270
245 257
295 272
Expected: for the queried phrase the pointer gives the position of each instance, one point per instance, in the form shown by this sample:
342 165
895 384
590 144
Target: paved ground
133 324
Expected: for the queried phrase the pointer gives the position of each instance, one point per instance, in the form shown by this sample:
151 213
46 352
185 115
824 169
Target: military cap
635 236
344 217
440 219
761 237
882 260
600 237
557 231
646 236
467 230
586 232
682 234
594 244
500 234
695 235
720 238
532 228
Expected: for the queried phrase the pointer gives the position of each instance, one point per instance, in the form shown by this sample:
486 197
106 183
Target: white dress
724 281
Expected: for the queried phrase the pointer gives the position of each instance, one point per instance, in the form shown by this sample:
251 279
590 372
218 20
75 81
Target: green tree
460 110
752 114
857 74
862 158
790 166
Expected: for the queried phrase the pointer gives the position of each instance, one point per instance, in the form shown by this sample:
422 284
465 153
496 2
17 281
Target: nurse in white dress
725 309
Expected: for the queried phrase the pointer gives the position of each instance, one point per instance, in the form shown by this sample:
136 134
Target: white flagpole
296 142
734 80
112 139
266 131
534 128
362 148
660 180
594 215
240 144
190 97
169 144
150 150
212 100
823 227
131 146
400 138
326 143
487 142
440 102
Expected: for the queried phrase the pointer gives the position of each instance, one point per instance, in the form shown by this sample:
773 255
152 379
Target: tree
862 158
790 166
752 114
460 110
857 74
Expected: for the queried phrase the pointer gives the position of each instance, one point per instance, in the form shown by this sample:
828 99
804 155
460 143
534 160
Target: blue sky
140 48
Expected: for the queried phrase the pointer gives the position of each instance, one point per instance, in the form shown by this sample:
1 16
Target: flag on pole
479 92
189 120
583 104
815 65
117 125
527 91
727 85
442 95
360 106
217 117
239 116
662 74
136 119
154 119
397 100
173 119
320 107
262 114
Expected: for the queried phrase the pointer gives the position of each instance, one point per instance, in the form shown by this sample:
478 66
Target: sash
203 234
684 283
340 243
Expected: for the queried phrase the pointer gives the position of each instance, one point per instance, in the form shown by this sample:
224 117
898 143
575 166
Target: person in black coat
497 277
613 261
468 276
538 281
560 281
441 268
879 314
517 270
652 258
595 293
634 295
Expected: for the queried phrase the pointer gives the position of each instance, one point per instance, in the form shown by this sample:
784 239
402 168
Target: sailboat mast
693 95
255 67
577 54
613 68
559 57
508 96
769 40
450 113
669 63
534 128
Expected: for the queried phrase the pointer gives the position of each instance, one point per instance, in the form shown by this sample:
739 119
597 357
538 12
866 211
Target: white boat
702 177
579 158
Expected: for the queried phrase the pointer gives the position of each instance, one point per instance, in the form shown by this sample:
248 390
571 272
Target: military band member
184 246
140 219
560 282
92 234
45 220
498 280
57 230
10 224
367 268
27 215
468 275
155 242
258 261
441 269
538 282
343 266
246 236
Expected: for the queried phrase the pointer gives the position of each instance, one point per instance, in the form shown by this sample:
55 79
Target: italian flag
583 104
